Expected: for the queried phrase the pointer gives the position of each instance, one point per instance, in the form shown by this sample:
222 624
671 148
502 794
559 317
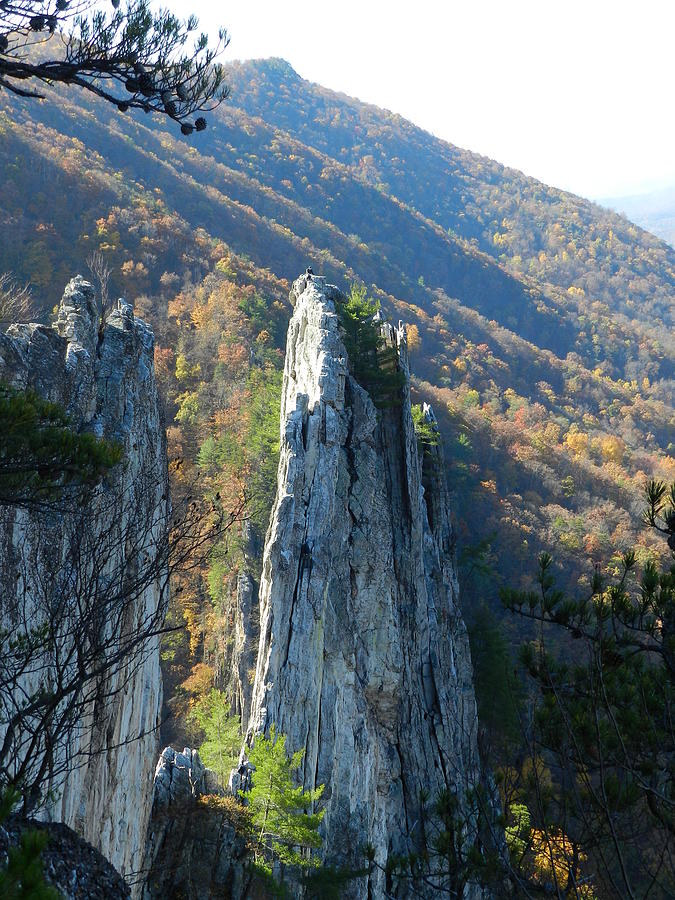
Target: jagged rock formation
241 664
363 657
180 776
109 549
193 846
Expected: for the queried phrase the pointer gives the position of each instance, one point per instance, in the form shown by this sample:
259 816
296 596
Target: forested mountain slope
536 230
545 323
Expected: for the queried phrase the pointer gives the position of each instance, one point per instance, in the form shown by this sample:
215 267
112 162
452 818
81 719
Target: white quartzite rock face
181 776
363 656
105 380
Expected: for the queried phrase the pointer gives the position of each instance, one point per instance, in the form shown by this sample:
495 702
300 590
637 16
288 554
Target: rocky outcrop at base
70 864
194 848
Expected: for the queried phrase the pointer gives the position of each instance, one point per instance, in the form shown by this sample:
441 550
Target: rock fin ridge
363 657
102 374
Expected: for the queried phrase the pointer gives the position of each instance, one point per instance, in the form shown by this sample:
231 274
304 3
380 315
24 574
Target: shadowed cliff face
363 656
100 559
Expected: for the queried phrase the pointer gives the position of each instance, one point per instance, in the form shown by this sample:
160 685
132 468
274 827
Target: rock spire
363 657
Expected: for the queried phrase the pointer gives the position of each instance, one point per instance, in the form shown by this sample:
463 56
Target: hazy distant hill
654 211
546 322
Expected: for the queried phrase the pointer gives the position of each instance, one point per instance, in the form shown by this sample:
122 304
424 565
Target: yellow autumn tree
577 442
556 860
612 448
414 339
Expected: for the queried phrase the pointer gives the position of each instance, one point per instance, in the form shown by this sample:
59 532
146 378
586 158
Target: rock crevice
108 549
363 657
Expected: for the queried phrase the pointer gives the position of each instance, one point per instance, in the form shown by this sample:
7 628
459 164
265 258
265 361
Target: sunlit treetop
131 56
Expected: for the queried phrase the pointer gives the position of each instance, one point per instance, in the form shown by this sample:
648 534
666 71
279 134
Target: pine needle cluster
373 363
41 455
282 815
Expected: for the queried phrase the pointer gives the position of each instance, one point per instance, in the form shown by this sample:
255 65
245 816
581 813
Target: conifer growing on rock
283 825
603 721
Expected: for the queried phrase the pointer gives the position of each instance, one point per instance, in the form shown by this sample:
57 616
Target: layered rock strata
363 657
100 561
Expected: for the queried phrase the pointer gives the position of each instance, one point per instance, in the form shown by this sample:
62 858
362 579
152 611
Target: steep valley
366 532
540 315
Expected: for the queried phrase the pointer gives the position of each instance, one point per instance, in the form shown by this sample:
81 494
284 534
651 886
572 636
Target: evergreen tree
284 826
361 336
604 718
223 735
452 849
130 56
21 877
373 363
42 459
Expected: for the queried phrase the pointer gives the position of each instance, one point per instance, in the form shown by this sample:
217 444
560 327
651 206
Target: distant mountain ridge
444 183
653 211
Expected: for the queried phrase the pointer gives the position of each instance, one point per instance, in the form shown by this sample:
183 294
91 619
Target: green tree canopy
222 732
42 458
373 363
283 822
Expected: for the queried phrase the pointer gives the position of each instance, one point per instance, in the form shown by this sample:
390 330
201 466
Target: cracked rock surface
363 657
103 376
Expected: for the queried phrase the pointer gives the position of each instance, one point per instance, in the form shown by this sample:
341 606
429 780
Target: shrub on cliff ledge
426 432
374 364
42 460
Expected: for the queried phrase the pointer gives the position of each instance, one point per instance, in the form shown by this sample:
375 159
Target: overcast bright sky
577 93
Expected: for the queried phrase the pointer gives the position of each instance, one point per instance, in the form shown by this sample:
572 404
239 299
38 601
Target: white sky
578 93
